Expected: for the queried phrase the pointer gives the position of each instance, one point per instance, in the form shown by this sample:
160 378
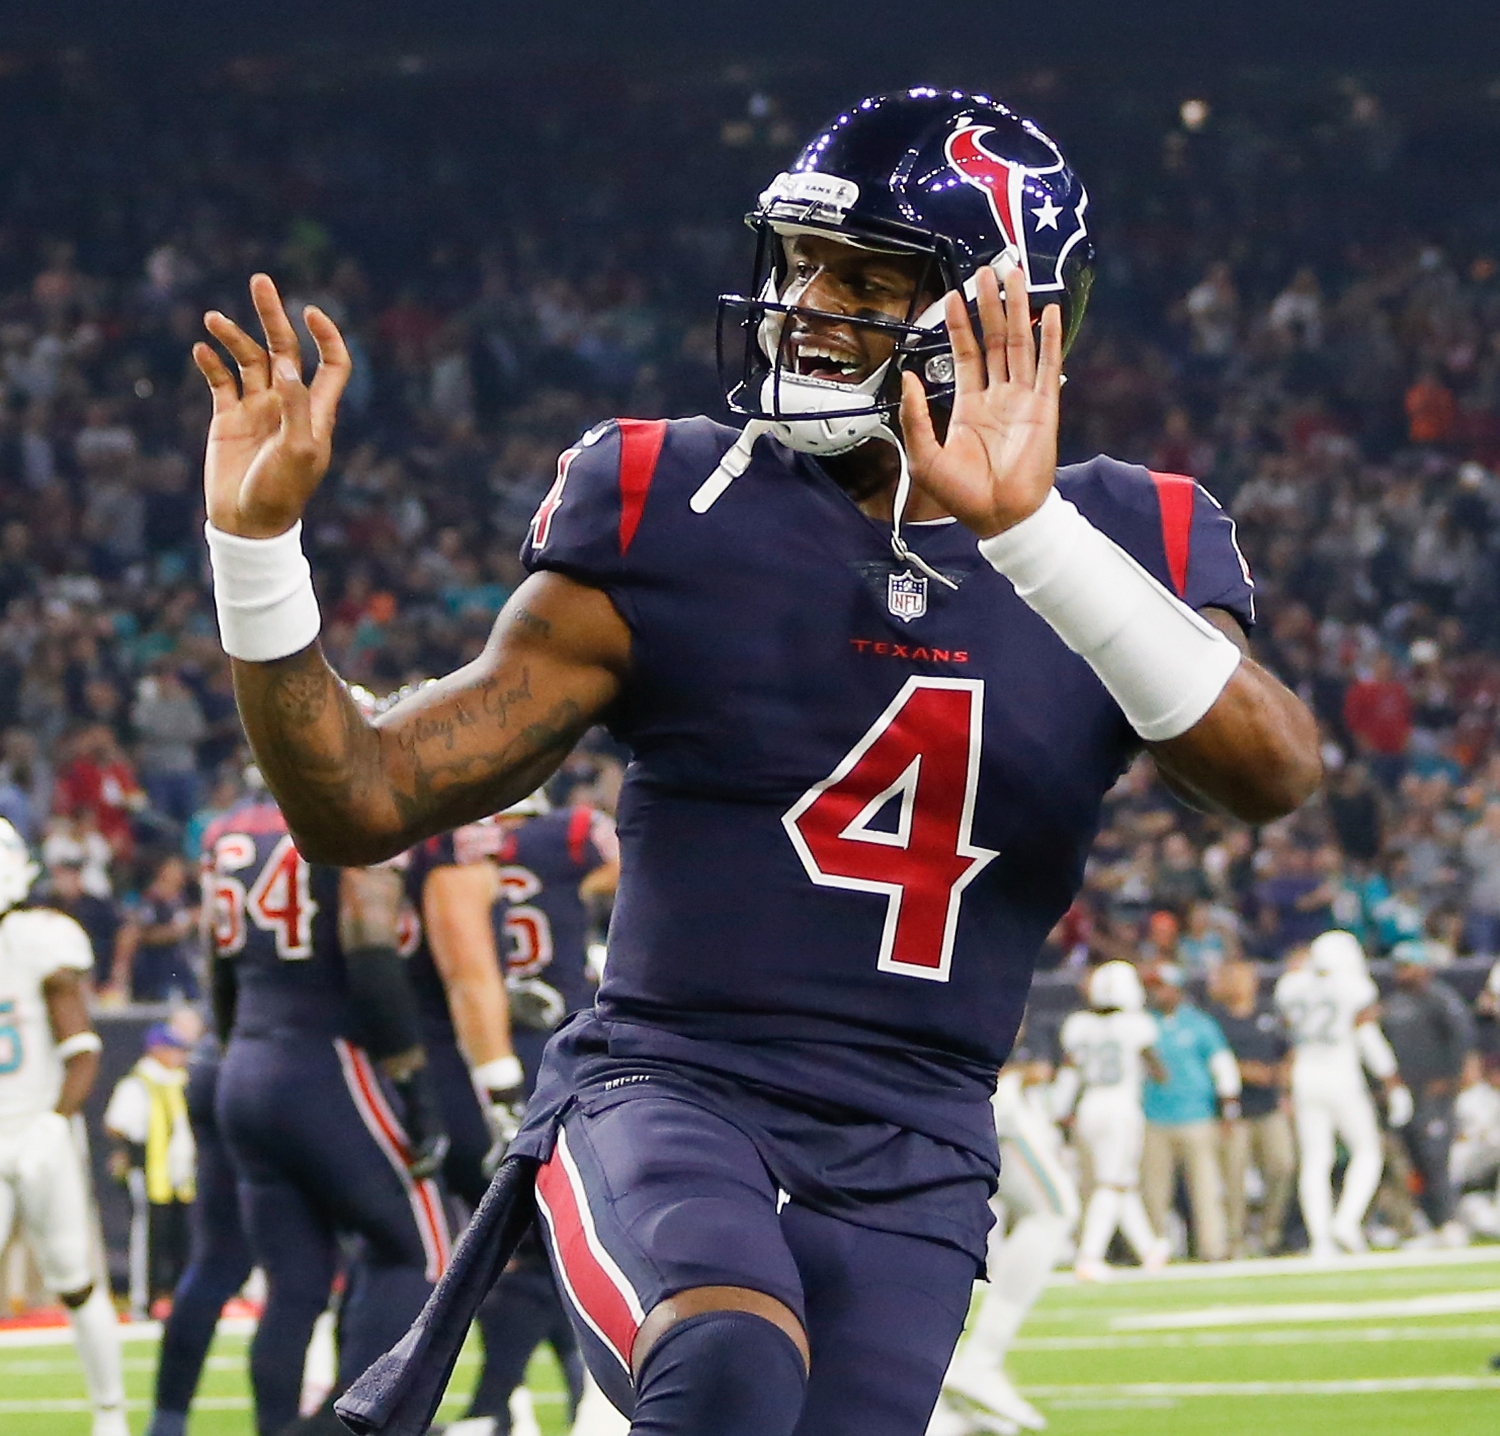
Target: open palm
998 459
272 435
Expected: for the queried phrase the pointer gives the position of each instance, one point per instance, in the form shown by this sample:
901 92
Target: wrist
499 1074
263 593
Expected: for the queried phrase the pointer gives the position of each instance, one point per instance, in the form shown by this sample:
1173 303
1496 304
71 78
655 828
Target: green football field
1395 1346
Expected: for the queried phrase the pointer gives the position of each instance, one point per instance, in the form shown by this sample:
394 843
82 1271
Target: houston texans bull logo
1021 209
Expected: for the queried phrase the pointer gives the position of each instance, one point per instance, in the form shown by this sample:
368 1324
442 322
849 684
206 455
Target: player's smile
832 278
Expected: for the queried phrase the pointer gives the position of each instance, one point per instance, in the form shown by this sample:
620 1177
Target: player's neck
868 475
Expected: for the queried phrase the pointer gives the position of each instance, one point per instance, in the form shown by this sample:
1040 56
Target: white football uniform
1106 1049
41 1175
1330 1099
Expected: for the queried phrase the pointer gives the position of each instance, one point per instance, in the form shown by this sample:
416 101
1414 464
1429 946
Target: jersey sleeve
587 524
1360 992
1172 526
1144 1031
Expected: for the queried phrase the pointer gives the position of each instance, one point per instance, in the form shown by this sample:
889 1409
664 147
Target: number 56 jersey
859 798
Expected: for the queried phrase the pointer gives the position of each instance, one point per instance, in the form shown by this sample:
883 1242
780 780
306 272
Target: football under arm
78 1045
457 900
1255 752
357 791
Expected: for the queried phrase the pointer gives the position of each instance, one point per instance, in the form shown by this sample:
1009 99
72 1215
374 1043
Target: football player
1331 1009
49 1058
1039 1199
323 1099
552 866
878 661
1107 1051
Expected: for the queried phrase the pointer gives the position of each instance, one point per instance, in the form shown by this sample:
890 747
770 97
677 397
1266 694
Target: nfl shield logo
906 595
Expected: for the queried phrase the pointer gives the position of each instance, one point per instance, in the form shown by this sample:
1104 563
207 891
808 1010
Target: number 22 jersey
858 798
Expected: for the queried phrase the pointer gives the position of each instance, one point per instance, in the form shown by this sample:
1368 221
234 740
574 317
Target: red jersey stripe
1176 494
596 1286
580 821
640 447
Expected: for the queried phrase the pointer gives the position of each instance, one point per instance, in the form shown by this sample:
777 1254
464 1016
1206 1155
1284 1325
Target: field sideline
1382 1346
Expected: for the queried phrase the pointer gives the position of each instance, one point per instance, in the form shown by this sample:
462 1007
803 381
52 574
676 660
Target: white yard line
1443 1304
1284 1337
1298 1265
1176 1390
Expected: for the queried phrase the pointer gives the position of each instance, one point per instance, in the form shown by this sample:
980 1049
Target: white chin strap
793 433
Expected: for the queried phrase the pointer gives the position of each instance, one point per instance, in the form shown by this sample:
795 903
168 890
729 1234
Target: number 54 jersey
859 798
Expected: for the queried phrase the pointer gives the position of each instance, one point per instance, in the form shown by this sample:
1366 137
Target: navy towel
400 1393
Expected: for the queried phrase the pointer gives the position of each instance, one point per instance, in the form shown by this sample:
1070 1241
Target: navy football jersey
858 799
276 916
544 930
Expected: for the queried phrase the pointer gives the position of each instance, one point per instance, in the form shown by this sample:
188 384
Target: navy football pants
655 1195
319 1152
220 1260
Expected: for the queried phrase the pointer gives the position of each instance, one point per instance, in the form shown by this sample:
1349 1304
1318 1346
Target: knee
703 1301
722 1369
77 1296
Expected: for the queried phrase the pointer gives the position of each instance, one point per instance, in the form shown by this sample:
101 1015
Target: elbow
349 847
1281 787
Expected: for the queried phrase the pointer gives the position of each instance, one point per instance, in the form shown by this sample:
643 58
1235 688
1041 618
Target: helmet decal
1013 202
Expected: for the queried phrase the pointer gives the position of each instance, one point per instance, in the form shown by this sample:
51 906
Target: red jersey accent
640 447
1176 493
580 822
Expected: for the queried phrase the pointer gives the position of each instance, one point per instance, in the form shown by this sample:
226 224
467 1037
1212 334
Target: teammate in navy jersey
552 865
878 660
323 1099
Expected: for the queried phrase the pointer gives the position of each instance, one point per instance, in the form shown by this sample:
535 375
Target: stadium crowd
1278 313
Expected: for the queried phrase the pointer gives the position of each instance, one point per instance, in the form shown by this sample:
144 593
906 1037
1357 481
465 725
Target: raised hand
999 457
271 435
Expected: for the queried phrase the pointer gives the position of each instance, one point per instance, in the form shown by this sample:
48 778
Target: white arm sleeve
1374 1051
1064 1091
1226 1073
1161 662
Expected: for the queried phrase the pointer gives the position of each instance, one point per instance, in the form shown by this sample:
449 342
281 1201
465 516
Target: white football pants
42 1181
1112 1127
1035 1190
1333 1102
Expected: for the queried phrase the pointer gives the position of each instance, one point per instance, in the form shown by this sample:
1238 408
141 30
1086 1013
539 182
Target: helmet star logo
1046 214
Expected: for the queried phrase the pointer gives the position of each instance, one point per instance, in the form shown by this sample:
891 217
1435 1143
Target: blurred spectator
1355 811
1432 1034
1208 940
1182 1128
1481 855
73 839
1377 713
98 916
100 780
153 962
1261 1137
169 724
1430 410
1294 899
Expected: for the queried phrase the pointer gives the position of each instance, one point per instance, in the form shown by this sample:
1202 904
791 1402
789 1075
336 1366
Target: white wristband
78 1043
1161 662
264 594
500 1074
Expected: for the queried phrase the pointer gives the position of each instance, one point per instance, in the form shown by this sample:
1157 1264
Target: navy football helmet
956 179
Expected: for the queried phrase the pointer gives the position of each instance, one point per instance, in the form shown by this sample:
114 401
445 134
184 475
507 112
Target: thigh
1354 1120
53 1201
883 1314
649 1197
1115 1133
315 1115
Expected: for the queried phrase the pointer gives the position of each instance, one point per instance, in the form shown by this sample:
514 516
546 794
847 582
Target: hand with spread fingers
998 459
272 435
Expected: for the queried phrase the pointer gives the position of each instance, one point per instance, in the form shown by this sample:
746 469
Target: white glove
1399 1106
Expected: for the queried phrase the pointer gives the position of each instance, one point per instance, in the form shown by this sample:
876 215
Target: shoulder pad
1171 525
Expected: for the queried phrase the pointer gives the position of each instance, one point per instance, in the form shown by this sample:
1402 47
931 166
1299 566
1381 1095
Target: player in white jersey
1039 1198
1107 1051
49 1057
1331 1006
